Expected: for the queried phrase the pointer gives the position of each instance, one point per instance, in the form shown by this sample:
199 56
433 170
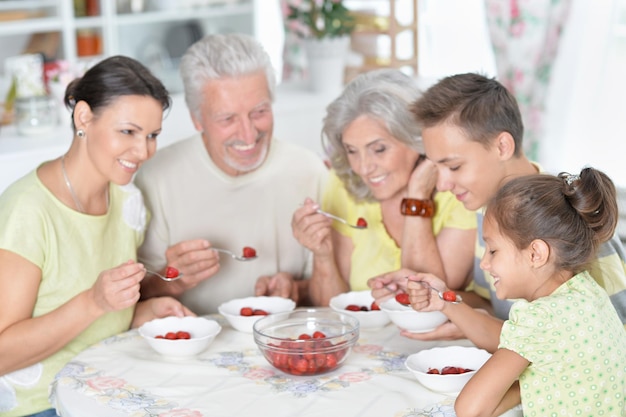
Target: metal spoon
163 277
339 219
234 256
440 293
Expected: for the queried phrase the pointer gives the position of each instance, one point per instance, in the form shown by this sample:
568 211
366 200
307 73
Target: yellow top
375 251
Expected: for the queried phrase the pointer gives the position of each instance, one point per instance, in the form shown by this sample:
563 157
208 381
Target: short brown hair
482 107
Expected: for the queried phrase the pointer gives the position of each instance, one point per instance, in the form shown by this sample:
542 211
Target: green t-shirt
71 249
375 252
576 346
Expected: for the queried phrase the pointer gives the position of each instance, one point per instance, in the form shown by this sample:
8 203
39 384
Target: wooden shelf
370 26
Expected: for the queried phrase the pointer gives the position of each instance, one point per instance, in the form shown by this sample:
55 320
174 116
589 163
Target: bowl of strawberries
361 305
242 313
405 317
307 342
446 369
179 337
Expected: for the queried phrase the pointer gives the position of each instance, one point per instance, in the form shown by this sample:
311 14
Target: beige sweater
190 198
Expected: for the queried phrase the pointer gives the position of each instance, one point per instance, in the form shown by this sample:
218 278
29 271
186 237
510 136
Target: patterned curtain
525 36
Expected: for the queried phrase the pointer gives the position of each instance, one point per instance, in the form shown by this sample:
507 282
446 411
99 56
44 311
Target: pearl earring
81 133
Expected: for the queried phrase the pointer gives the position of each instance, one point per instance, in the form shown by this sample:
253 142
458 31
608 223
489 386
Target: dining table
123 376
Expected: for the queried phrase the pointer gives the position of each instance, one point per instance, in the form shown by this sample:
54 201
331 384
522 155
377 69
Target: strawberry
433 371
449 296
171 272
259 312
447 370
374 306
183 335
170 336
361 222
403 298
319 335
249 252
353 307
246 311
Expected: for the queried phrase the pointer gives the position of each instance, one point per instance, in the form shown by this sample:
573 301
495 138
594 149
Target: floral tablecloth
123 376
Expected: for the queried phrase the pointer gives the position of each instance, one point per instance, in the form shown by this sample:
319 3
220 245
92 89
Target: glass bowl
306 342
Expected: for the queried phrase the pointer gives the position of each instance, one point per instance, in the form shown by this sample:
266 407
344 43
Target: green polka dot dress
576 346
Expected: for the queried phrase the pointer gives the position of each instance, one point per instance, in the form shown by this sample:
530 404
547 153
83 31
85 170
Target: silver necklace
69 187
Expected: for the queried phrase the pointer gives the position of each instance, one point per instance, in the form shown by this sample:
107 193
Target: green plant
319 18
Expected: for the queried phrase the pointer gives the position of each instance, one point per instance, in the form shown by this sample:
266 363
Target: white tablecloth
123 376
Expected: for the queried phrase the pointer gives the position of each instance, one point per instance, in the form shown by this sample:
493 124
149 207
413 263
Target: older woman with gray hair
379 175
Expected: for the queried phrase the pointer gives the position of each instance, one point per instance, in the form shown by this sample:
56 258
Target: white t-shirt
191 198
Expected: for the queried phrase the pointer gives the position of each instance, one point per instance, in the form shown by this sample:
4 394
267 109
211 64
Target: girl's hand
312 230
421 296
388 285
118 288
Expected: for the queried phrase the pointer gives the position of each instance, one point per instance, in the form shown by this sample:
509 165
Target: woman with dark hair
69 233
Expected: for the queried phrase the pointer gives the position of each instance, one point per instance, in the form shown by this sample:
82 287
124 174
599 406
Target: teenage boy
472 131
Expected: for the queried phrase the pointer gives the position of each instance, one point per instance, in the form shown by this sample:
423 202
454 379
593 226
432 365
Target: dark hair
482 107
574 214
114 77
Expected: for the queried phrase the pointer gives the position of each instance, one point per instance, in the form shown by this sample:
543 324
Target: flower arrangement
58 71
319 18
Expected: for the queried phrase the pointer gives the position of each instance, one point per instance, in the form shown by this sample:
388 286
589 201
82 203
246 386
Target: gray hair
384 95
219 56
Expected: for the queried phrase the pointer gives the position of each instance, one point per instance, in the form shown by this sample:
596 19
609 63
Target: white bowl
368 319
439 357
231 310
413 321
202 332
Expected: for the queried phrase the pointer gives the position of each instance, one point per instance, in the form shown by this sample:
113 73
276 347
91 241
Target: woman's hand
158 307
117 288
312 230
446 331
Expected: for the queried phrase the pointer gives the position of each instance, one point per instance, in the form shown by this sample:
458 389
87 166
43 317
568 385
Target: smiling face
237 122
510 267
468 169
122 136
384 163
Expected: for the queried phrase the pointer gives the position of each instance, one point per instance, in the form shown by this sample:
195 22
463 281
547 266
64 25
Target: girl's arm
494 388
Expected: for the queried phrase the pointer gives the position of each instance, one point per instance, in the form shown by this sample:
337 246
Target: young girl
562 351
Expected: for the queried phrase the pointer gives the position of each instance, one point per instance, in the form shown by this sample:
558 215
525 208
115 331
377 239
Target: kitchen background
585 106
